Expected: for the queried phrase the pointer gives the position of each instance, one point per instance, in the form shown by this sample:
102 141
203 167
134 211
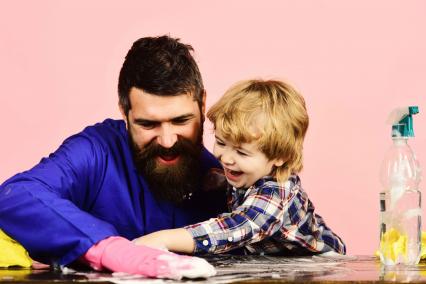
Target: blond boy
259 131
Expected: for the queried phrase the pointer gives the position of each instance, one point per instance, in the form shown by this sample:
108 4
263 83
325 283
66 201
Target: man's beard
174 183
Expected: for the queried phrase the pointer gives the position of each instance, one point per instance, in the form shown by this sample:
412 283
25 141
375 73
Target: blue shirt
88 190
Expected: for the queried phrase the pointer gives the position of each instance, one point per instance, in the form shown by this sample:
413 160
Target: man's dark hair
160 66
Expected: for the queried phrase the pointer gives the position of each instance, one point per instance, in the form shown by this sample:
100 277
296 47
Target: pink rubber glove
121 255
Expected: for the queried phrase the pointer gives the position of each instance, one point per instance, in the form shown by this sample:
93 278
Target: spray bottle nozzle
413 109
404 125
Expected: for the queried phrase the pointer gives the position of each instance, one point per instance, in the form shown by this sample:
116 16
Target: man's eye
180 121
147 125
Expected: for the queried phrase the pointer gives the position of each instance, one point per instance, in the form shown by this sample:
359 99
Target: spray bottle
400 200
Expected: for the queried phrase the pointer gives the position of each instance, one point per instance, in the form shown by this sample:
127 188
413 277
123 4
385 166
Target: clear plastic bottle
400 200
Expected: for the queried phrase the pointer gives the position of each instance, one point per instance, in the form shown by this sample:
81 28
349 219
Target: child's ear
278 162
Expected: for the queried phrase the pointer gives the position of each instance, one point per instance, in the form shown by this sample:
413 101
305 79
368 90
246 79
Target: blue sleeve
45 208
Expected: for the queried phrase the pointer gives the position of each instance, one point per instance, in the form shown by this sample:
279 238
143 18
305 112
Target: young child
259 131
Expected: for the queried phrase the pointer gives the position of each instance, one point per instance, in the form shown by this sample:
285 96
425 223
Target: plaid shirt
267 218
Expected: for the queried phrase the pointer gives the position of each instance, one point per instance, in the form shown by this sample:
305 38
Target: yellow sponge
394 244
12 253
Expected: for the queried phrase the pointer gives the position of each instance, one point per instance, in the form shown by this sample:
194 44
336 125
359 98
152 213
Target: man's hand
176 240
118 254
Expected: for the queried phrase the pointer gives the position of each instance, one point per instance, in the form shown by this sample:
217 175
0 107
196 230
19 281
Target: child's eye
241 153
220 143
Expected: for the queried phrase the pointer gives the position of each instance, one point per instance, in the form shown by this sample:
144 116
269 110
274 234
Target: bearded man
121 179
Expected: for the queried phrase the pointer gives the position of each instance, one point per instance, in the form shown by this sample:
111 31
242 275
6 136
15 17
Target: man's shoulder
107 131
107 127
106 134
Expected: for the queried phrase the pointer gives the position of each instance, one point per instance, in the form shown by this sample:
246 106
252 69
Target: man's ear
203 104
123 114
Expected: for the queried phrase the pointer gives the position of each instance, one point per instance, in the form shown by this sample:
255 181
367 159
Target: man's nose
167 137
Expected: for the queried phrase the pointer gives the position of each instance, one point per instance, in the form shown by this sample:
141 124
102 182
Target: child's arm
177 240
257 218
263 212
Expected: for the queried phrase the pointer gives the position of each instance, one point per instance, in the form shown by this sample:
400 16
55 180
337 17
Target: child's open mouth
232 175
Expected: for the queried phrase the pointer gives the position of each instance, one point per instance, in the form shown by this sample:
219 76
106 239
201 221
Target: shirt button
230 239
205 242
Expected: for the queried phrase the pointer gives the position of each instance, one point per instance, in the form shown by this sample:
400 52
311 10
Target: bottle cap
404 127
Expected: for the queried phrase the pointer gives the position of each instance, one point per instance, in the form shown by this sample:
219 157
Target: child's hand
176 240
155 240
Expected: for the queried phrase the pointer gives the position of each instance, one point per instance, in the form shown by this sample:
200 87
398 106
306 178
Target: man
121 178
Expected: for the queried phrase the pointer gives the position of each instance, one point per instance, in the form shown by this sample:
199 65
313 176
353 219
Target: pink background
353 61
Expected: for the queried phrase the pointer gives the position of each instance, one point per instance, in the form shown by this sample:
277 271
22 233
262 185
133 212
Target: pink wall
353 60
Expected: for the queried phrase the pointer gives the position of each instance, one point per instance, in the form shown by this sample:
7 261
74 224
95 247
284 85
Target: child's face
243 164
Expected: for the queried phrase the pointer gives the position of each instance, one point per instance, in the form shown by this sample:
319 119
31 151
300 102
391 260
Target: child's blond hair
271 113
